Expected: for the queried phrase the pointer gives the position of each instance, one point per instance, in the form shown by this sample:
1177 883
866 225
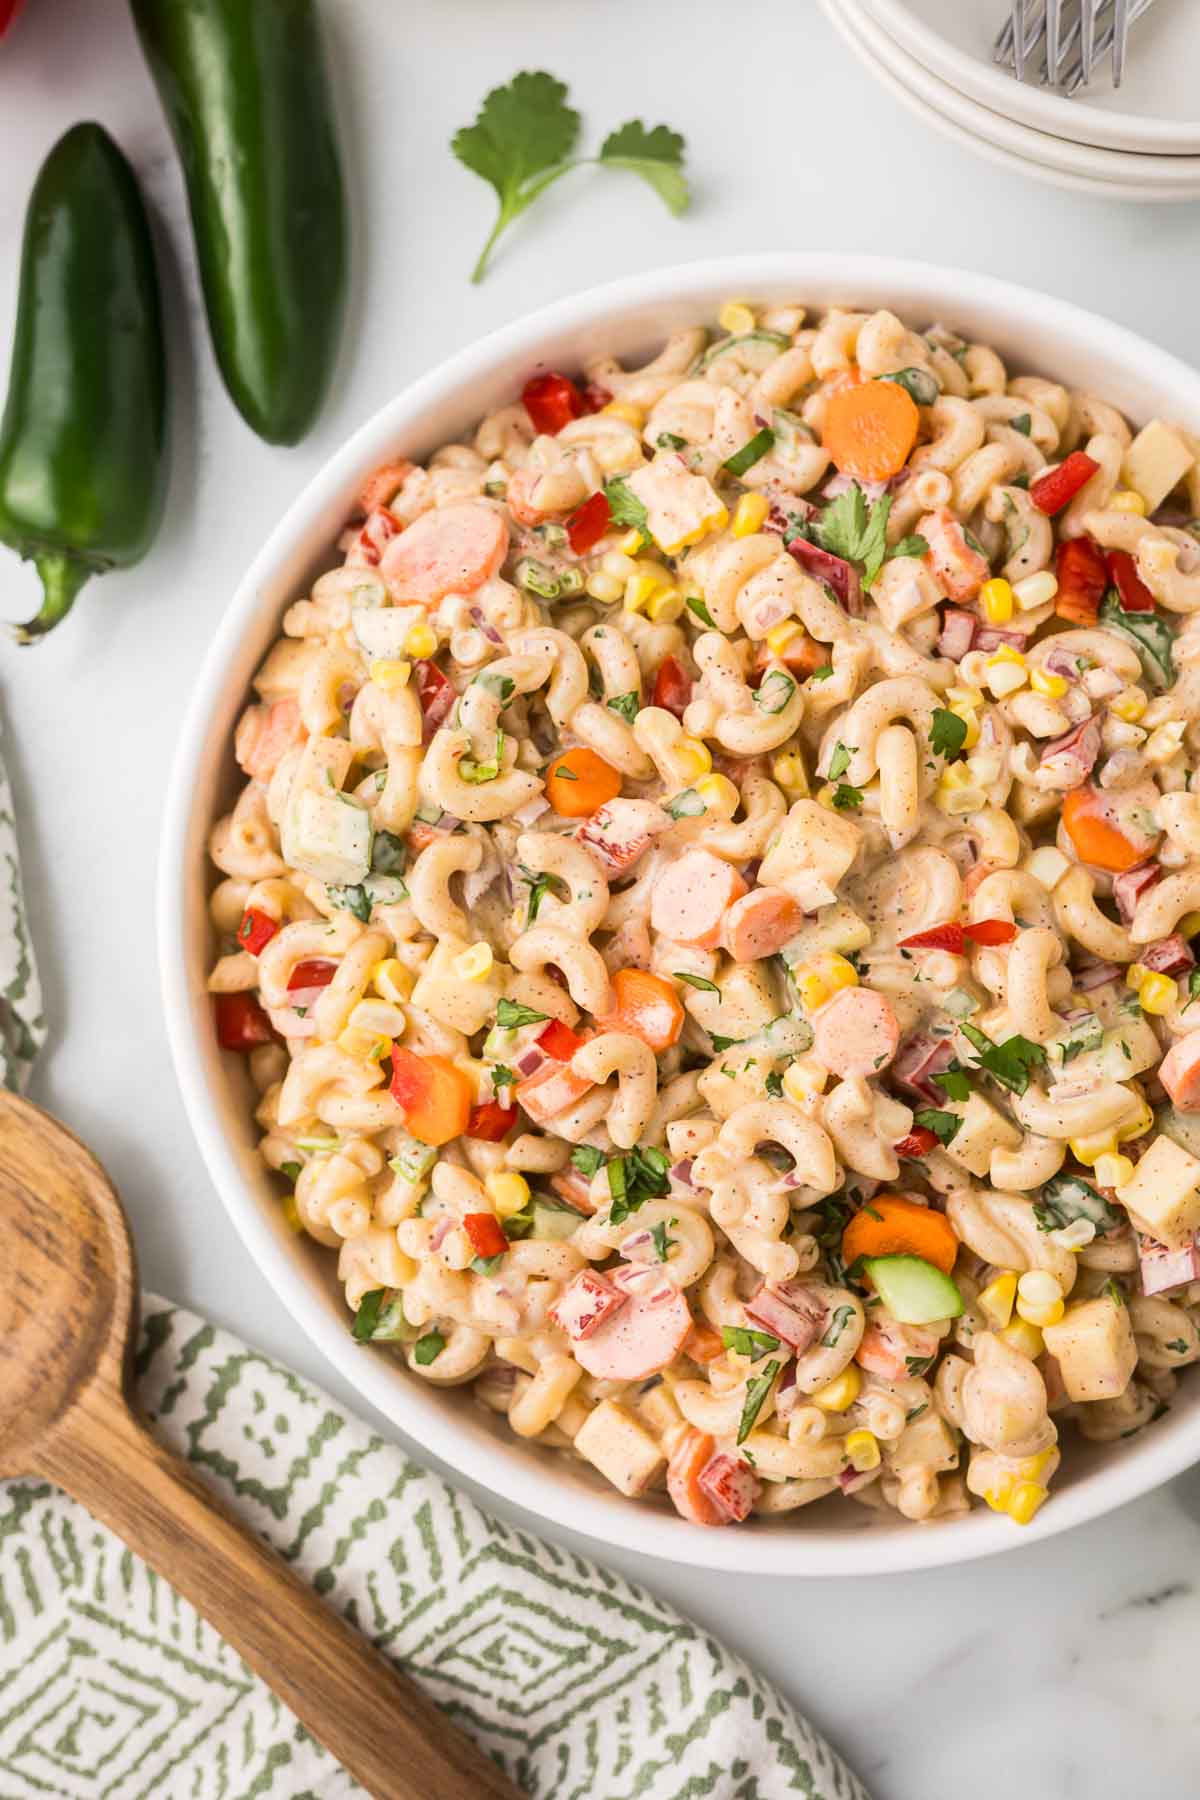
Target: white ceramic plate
628 318
1156 108
1016 148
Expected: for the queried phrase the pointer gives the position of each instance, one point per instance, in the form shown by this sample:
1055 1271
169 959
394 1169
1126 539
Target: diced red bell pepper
487 1237
672 686
586 1303
988 932
731 1485
1082 578
588 523
313 972
436 694
490 1121
256 930
1051 492
955 937
551 402
1122 572
241 1023
559 1041
595 397
918 1143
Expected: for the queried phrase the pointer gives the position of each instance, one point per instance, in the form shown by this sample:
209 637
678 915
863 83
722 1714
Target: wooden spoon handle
377 1723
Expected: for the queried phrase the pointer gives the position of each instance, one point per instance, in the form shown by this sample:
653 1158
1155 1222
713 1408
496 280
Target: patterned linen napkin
113 1688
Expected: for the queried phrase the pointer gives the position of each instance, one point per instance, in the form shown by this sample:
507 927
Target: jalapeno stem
62 577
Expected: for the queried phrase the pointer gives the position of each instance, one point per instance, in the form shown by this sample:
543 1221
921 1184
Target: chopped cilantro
539 886
628 705
954 1083
949 732
757 1389
624 506
847 799
587 1159
1008 1063
697 981
511 1013
748 1343
634 1178
823 673
774 1085
856 533
945 1126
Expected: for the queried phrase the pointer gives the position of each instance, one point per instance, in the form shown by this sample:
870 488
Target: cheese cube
680 507
1094 1348
327 834
1163 1198
1155 462
811 841
615 1443
984 1129
928 1443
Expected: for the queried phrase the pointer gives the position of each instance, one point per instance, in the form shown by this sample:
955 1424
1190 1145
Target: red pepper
672 686
313 972
1051 492
918 1143
483 1229
588 523
256 930
954 937
241 1023
1122 572
559 1041
551 402
1082 578
595 397
490 1121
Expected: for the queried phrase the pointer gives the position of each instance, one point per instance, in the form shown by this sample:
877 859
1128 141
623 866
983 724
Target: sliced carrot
1097 840
436 1095
551 1091
891 1226
579 783
689 1460
703 1344
869 431
647 1007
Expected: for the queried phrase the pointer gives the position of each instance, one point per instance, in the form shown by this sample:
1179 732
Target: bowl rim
1133 133
514 1472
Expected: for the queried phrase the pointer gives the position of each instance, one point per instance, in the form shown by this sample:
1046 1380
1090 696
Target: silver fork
1035 27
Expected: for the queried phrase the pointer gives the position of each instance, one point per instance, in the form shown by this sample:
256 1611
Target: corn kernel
802 1080
1189 925
632 543
379 1017
421 641
1112 1171
393 981
719 795
389 673
1023 1336
824 796
780 636
291 1213
626 411
1127 500
788 771
1048 866
1039 1298
1138 1126
639 589
970 719
714 521
749 514
1032 1468
839 1393
997 598
997 1299
817 981
367 1046
967 696
1051 687
604 587
508 1193
1035 590
1005 671
1128 705
474 964
665 607
1088 1150
1163 745
1157 994
1026 1498
862 1447
736 318
692 757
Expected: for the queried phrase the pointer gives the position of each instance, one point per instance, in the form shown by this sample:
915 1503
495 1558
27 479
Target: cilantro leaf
624 506
663 1245
856 533
720 1043
519 143
501 1077
774 1085
949 732
587 1159
697 981
823 673
697 606
1022 423
511 1013
539 886
757 1389
847 799
747 1342
1193 987
1151 637
945 1126
627 705
634 1178
954 1084
1008 1063
656 155
913 545
839 762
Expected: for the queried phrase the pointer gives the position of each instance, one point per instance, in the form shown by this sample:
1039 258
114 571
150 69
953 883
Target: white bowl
1081 168
1154 109
628 317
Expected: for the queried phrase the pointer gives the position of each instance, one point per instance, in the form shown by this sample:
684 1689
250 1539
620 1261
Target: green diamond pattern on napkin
583 1686
22 1027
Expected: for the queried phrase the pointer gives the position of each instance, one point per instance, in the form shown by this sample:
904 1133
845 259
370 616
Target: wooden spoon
68 1326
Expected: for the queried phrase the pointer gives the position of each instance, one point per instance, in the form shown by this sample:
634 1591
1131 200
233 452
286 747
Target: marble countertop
1058 1671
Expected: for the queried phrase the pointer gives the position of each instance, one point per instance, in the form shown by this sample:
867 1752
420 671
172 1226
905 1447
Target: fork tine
1018 29
1087 39
1120 39
1053 39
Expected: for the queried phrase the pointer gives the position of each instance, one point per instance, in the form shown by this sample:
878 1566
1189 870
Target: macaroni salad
710 913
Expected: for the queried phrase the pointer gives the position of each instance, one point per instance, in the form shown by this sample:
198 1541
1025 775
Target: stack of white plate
1139 142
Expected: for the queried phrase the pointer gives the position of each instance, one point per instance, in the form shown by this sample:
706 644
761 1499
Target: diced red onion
1062 662
531 1060
832 570
489 631
1075 752
1095 975
958 633
682 1172
989 638
918 1060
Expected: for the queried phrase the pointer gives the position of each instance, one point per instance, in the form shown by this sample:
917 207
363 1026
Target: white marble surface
1061 1671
